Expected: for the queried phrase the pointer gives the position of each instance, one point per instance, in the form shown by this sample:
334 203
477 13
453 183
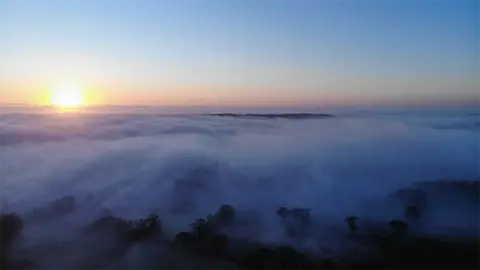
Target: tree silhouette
352 223
11 226
283 212
219 244
412 212
145 228
399 227
186 240
110 225
128 231
202 228
225 216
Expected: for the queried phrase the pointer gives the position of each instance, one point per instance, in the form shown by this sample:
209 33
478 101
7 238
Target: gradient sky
242 52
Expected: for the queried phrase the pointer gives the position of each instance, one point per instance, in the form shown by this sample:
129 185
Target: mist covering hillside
62 172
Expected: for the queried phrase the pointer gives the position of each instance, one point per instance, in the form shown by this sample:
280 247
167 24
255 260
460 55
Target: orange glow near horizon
75 93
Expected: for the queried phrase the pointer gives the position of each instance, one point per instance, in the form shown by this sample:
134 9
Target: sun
67 95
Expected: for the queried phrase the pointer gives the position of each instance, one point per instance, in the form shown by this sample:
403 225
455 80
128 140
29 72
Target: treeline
396 248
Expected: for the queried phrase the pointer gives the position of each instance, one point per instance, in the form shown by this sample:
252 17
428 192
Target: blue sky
244 51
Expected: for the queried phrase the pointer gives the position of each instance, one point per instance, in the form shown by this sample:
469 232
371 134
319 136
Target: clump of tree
412 213
400 228
144 229
206 239
11 226
128 231
225 216
204 236
109 223
352 223
203 228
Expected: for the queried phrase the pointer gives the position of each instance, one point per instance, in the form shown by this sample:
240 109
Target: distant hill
269 116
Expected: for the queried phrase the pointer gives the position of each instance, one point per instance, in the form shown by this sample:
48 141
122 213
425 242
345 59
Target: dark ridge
270 116
457 189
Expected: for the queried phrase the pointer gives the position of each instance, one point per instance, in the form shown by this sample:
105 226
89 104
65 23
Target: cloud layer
185 167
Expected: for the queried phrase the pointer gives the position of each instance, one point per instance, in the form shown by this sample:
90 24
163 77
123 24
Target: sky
268 53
